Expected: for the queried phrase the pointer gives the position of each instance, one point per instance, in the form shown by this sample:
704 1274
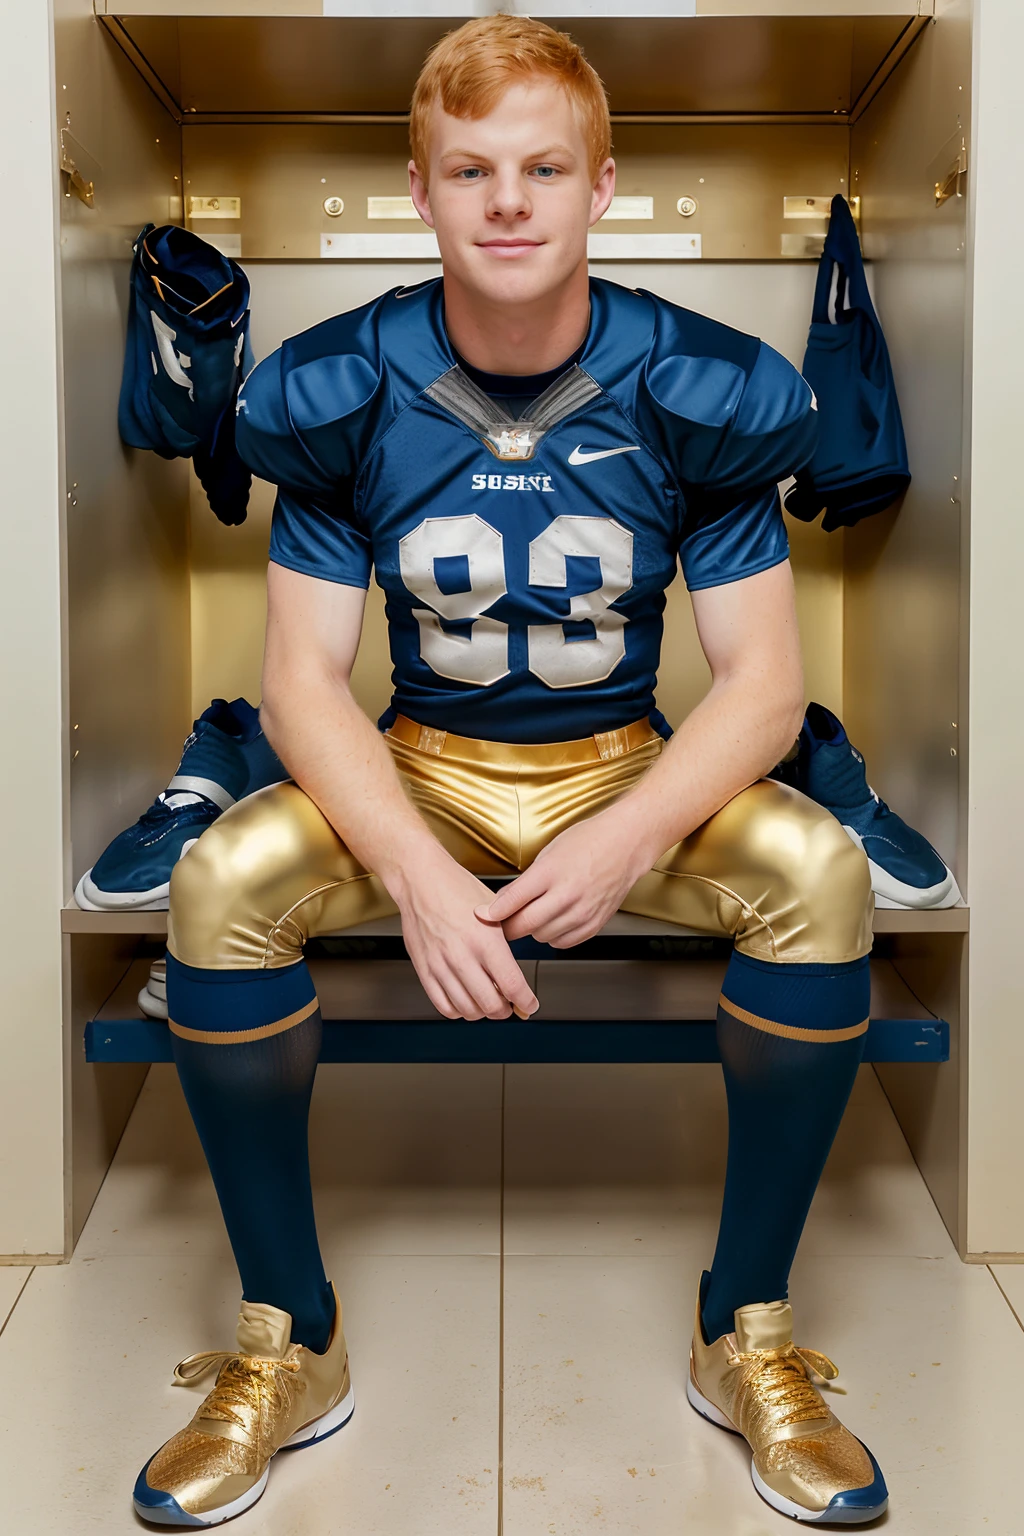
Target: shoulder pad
729 409
304 413
697 368
775 429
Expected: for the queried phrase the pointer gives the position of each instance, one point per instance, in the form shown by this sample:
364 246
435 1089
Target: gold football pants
772 870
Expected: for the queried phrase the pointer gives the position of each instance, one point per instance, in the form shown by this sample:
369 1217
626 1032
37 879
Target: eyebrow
543 154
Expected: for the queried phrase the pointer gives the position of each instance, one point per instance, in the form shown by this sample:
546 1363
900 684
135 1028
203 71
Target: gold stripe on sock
243 1036
790 1031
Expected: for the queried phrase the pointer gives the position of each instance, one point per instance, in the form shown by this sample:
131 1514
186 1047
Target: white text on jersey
513 483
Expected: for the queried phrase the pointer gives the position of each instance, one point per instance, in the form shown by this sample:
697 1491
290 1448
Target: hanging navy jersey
186 352
524 559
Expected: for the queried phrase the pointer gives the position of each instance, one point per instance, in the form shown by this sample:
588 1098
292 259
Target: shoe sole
891 893
91 899
320 1429
785 1506
152 1007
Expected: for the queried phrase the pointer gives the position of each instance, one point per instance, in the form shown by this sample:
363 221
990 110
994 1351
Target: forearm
736 734
341 760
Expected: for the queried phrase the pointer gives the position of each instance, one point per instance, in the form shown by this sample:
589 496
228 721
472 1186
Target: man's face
511 196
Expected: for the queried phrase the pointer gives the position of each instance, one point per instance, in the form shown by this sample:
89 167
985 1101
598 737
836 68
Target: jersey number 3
481 655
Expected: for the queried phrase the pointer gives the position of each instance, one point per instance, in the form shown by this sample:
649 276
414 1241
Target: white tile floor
518 1308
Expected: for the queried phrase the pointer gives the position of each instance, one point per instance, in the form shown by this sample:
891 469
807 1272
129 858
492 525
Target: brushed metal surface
903 695
779 64
741 174
125 554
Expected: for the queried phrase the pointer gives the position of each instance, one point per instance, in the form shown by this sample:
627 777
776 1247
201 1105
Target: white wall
995 825
31 1077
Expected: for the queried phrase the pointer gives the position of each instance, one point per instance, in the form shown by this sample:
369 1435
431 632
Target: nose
509 197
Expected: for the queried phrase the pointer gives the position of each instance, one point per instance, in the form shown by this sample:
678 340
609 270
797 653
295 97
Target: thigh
269 874
272 872
772 870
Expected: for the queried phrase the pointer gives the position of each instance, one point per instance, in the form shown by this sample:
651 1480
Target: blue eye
546 172
471 173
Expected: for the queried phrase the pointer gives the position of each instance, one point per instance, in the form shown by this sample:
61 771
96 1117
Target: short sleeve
727 539
304 421
308 536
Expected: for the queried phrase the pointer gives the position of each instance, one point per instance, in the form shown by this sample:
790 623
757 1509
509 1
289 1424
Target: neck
499 337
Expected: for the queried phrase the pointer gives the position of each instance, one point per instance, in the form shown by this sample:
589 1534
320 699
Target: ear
604 191
419 194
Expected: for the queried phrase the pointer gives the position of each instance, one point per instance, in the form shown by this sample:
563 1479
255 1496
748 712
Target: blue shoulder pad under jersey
728 411
731 418
306 414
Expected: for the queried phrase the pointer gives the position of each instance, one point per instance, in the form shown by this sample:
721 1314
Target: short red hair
469 70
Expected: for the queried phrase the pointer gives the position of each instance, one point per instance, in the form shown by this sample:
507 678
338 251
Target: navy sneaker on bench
226 757
906 872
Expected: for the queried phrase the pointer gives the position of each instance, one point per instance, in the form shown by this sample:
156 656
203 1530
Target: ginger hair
469 70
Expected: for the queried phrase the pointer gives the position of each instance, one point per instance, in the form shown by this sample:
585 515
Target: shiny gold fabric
762 1383
772 869
265 1391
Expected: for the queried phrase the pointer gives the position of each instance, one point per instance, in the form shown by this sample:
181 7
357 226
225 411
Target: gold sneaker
270 1395
756 1383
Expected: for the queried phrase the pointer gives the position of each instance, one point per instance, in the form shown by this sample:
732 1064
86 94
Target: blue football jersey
524 560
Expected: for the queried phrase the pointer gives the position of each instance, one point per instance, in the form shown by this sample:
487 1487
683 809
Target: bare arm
343 763
746 722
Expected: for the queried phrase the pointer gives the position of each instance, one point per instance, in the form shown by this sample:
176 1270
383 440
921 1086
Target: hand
465 965
572 887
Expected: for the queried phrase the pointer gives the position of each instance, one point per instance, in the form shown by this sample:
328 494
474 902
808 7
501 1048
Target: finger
511 982
439 997
556 926
464 1006
570 938
527 887
483 997
546 913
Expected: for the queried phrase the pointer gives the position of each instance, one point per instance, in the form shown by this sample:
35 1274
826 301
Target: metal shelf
281 61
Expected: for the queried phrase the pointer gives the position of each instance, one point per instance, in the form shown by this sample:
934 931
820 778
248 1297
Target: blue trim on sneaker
159 1507
905 869
859 1505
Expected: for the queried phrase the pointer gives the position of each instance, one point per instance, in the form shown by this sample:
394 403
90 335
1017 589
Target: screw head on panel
333 206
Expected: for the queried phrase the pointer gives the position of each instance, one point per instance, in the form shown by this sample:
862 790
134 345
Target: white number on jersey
563 663
482 656
174 362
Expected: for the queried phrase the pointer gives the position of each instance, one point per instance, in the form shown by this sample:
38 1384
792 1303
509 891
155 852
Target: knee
225 890
825 887
208 875
206 888
835 865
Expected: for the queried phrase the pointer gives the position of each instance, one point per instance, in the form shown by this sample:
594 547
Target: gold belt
589 749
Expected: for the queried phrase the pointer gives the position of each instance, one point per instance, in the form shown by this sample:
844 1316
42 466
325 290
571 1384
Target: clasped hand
457 934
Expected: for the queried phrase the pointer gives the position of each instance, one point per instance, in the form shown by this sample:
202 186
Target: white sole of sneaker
891 893
152 1007
91 899
707 1410
334 1419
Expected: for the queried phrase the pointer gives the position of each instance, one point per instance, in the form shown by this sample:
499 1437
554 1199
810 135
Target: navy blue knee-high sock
791 1038
246 1045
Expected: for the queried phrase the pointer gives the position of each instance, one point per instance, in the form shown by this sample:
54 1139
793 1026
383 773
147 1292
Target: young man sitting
522 455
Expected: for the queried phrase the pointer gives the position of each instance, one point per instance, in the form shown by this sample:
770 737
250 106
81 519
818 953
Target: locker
734 123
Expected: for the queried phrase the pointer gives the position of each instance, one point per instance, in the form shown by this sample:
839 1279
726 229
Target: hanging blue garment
860 465
187 353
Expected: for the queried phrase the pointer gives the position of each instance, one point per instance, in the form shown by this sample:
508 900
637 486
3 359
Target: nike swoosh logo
579 457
